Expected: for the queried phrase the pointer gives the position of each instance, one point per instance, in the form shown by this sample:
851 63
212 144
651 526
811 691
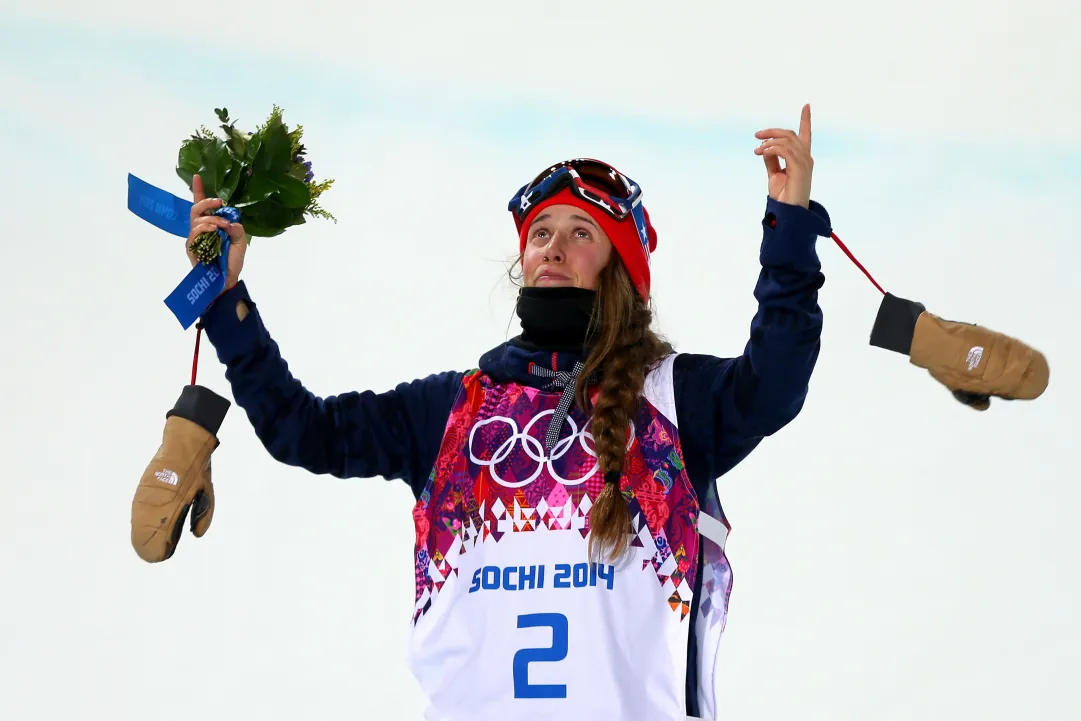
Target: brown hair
624 347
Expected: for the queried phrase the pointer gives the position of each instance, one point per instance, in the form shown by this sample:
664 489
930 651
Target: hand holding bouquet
258 181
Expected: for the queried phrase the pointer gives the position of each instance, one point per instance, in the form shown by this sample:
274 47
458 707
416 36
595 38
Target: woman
562 566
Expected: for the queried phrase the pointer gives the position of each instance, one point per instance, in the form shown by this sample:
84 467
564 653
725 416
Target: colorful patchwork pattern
493 476
716 574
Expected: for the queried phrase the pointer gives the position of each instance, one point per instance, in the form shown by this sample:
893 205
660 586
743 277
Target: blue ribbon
205 282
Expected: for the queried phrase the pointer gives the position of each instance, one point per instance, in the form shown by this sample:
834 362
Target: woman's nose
554 250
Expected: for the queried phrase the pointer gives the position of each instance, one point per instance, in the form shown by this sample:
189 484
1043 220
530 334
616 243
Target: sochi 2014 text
559 575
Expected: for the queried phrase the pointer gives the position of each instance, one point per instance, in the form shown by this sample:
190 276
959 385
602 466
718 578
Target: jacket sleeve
395 434
726 406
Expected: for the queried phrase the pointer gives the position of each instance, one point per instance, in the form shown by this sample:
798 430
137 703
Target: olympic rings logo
534 448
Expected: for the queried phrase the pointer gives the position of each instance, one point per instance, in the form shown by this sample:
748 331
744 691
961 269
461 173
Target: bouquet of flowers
262 174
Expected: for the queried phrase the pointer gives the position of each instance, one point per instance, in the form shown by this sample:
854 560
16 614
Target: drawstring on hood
565 380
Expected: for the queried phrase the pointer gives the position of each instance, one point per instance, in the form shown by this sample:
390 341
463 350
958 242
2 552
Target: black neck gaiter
555 319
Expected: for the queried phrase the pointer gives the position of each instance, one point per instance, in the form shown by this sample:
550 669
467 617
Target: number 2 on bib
556 652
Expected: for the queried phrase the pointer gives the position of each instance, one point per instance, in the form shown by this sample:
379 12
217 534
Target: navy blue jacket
724 406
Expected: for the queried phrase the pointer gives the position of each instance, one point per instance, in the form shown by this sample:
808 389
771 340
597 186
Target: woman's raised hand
791 184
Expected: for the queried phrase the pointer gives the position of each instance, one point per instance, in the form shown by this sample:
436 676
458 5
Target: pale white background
897 556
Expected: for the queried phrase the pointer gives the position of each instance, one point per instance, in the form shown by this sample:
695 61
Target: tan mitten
973 362
177 481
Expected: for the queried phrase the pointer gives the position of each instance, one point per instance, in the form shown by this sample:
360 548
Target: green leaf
284 189
188 161
216 163
251 149
268 218
232 179
275 151
209 157
255 230
258 188
237 142
292 192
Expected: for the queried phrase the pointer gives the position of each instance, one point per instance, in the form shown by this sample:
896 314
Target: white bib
512 620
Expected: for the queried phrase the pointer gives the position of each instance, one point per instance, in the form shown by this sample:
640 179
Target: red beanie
633 238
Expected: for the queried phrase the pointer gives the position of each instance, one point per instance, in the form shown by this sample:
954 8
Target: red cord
195 357
856 262
840 244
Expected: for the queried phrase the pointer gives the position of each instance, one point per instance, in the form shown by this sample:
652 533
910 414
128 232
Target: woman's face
575 246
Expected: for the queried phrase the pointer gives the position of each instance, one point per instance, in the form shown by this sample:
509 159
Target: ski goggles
591 180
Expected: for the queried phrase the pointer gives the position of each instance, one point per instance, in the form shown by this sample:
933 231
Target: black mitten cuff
896 324
201 405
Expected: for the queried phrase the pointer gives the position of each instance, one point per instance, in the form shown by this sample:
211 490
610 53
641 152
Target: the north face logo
167 476
975 355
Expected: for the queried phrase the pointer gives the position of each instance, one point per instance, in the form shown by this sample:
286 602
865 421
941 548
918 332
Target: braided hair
624 348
